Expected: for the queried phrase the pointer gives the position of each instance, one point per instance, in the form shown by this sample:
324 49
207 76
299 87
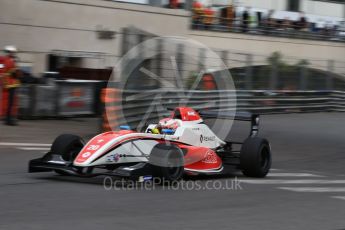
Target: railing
272 27
137 110
60 99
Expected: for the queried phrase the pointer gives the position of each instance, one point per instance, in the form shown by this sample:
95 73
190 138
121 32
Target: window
293 5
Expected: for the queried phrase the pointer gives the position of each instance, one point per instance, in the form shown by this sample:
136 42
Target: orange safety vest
8 72
208 16
197 10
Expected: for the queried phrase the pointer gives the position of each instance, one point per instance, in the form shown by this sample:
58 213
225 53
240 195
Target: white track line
273 181
292 175
23 144
33 148
314 189
339 197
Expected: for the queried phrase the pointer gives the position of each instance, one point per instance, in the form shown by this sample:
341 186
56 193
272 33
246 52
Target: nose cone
97 147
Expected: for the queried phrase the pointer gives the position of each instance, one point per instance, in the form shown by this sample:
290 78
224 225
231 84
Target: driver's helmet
169 123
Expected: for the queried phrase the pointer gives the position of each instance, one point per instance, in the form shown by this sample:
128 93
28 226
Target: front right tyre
167 163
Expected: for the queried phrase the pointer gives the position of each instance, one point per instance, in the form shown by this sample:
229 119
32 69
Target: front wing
52 162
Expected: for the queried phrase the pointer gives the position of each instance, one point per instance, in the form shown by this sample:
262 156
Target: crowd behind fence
258 24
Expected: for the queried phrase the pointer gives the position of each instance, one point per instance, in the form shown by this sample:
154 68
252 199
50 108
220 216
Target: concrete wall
323 8
264 4
266 45
38 27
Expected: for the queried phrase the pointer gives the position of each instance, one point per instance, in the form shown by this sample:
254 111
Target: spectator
269 22
259 18
329 26
10 82
173 4
341 30
286 24
320 25
197 14
253 20
302 23
227 16
245 20
208 17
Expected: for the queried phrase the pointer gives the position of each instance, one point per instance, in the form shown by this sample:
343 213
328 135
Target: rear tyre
167 163
255 158
68 146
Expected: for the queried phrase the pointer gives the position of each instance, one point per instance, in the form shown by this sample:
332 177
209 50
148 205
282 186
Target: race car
179 145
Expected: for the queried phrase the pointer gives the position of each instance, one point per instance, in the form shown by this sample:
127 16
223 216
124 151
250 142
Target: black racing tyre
68 146
167 163
255 158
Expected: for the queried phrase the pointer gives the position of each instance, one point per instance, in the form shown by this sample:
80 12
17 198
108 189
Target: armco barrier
61 99
27 99
2 115
75 97
338 101
137 106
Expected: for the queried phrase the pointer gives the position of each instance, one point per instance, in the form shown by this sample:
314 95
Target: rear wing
239 116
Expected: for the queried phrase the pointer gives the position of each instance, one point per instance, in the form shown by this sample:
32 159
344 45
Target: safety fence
249 71
60 99
138 108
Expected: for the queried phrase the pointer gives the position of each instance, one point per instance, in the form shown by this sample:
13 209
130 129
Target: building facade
88 33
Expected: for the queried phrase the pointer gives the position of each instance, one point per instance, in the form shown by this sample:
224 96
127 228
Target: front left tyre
67 146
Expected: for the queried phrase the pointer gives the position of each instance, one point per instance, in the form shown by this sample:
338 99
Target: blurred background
86 66
283 55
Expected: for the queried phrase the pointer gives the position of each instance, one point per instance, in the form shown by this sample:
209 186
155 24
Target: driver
167 123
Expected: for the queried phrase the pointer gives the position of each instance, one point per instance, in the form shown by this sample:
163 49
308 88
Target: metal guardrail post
202 53
329 79
158 58
225 56
249 72
56 101
179 63
273 78
32 100
303 78
141 38
124 46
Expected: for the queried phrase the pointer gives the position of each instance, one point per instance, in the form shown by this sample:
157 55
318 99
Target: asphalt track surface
306 189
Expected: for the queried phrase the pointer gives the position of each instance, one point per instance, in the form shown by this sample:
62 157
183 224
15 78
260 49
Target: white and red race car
178 145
